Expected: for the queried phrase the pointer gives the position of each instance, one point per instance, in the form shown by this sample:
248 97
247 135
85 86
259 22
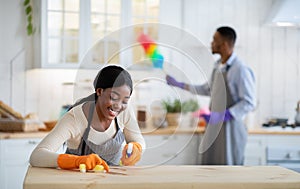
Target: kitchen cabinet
261 149
14 155
255 152
281 150
178 149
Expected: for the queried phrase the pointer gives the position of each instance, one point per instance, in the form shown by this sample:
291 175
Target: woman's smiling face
112 101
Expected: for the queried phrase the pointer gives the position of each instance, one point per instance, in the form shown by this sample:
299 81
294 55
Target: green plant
29 16
190 106
178 106
172 106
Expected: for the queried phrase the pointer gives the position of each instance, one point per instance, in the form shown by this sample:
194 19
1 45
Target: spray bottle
129 149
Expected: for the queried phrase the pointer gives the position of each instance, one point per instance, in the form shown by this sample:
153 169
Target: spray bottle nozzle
129 149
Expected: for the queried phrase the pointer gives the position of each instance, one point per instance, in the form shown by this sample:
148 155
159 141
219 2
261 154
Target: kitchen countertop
166 177
172 130
200 130
278 130
165 131
22 135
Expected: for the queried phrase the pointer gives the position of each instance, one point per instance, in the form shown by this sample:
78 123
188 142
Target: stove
280 122
293 126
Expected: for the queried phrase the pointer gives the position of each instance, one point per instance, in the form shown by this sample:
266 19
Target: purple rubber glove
172 81
217 117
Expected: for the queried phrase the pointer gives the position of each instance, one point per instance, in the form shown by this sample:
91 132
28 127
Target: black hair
228 34
112 76
108 77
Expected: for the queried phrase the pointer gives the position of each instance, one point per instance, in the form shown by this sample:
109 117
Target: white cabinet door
189 151
283 150
14 155
255 152
176 149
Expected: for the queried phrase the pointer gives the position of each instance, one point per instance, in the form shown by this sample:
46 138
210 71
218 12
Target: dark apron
110 151
223 143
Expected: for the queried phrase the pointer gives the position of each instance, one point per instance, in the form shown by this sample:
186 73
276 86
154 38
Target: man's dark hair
228 34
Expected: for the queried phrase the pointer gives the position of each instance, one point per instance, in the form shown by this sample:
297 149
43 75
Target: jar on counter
158 115
142 116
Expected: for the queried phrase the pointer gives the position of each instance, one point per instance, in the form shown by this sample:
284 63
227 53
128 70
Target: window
105 18
63 31
71 27
144 12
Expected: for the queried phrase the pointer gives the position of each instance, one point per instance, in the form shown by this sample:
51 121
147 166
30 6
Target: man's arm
246 93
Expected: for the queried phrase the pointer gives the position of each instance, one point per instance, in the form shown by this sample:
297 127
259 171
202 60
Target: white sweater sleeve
44 155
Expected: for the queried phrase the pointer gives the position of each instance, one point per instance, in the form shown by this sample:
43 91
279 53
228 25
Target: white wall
273 53
13 54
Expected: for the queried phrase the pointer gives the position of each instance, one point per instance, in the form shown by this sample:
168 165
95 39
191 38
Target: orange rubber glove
135 155
68 161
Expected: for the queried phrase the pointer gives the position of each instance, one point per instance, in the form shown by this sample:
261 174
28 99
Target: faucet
297 117
298 106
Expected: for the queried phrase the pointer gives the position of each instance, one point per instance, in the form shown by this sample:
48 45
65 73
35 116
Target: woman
95 128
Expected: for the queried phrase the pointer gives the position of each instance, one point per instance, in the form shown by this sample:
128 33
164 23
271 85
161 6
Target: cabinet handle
32 142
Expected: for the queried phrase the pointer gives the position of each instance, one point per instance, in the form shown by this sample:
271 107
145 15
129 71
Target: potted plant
176 110
188 107
173 109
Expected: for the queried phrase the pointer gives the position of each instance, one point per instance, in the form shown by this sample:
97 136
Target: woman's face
112 101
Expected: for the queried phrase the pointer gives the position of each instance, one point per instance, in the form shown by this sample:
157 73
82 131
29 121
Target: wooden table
207 177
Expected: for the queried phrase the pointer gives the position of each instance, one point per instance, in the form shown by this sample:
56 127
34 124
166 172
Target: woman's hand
68 161
135 155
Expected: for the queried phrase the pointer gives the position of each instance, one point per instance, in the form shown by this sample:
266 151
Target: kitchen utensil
50 124
9 111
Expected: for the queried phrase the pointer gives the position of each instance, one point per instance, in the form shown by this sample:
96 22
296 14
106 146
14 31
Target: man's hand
172 81
217 117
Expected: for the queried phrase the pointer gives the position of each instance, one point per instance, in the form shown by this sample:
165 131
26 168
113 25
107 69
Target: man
232 92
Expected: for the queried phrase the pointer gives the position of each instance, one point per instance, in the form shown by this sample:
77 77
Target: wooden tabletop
208 177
